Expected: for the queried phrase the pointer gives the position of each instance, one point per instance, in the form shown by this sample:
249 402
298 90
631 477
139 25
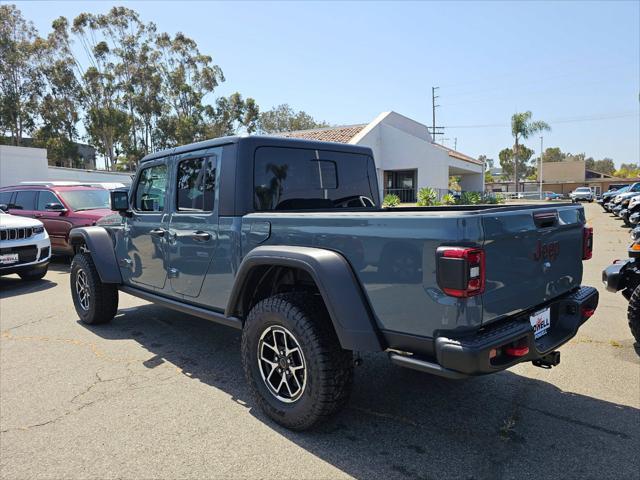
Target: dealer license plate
9 258
541 321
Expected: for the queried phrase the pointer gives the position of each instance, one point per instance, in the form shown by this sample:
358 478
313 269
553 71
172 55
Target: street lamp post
540 168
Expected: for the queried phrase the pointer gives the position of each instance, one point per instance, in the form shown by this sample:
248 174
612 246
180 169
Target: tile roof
341 134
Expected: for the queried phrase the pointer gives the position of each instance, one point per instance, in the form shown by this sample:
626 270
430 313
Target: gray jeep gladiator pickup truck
285 240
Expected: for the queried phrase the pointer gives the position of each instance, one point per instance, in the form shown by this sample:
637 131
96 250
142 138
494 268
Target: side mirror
55 207
120 201
4 207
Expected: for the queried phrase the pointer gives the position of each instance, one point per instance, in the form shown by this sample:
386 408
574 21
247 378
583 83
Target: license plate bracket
9 258
541 322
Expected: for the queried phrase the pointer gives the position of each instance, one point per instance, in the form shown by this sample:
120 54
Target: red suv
60 208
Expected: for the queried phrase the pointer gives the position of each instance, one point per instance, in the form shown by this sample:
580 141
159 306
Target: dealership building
564 177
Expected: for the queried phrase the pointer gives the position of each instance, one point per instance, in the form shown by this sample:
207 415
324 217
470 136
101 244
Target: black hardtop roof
259 141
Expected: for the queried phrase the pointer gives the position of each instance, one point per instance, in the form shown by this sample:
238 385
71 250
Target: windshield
583 189
80 200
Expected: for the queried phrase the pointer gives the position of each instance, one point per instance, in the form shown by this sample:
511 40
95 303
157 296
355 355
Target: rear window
301 179
25 200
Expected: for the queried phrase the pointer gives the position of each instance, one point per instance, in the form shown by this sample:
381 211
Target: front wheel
33 275
633 314
95 302
293 361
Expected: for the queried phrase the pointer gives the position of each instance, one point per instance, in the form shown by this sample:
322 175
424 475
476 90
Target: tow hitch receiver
549 360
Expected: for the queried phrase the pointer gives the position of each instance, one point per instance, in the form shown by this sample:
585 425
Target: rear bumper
470 355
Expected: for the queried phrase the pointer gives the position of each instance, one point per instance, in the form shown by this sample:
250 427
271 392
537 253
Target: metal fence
406 195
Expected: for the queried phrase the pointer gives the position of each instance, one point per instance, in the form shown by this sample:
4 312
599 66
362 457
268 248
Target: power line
611 116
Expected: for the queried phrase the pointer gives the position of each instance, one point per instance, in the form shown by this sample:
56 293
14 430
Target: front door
57 225
146 228
193 228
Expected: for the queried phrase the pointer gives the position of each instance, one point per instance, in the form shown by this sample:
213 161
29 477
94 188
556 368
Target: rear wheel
95 302
293 361
633 314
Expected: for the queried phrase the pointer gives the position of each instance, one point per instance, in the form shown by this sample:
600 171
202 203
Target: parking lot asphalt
158 394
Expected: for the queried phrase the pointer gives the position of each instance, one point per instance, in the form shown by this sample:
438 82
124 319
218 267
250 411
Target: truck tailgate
532 256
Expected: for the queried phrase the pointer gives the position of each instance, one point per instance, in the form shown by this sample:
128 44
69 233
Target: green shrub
492 198
427 197
470 198
391 200
448 199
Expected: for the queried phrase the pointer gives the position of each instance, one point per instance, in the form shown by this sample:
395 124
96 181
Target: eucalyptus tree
283 118
106 123
187 78
515 165
523 128
231 115
21 75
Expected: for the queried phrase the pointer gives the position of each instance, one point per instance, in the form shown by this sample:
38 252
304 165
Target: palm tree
522 128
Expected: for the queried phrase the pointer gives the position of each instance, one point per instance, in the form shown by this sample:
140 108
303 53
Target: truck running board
184 308
424 366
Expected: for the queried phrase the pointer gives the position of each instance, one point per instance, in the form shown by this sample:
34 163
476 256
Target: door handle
157 232
201 236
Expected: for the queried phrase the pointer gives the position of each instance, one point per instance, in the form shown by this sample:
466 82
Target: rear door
24 203
193 227
146 228
532 256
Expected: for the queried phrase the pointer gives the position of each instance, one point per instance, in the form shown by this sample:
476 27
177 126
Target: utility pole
540 169
434 129
455 143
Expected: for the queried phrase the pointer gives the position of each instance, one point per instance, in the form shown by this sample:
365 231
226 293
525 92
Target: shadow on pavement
60 263
403 424
13 285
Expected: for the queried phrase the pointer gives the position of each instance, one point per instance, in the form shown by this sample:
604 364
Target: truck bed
392 252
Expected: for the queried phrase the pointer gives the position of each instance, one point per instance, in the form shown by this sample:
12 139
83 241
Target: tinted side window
151 189
25 200
5 197
45 198
299 179
196 184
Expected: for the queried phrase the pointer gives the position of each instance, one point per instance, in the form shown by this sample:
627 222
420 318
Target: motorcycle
624 276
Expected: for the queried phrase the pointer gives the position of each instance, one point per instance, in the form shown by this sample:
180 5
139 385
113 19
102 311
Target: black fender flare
346 303
100 246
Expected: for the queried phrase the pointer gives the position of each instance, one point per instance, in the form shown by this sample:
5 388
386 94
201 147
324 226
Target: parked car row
36 219
624 203
60 206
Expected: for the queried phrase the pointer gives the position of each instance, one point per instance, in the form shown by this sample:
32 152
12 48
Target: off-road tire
33 275
103 297
633 314
329 368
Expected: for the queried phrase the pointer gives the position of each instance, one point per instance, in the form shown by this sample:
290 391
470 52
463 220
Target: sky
575 65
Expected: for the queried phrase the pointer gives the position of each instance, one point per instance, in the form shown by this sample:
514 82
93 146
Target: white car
581 193
25 247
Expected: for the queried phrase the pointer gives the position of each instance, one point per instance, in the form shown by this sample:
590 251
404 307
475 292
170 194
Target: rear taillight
587 312
587 243
460 271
